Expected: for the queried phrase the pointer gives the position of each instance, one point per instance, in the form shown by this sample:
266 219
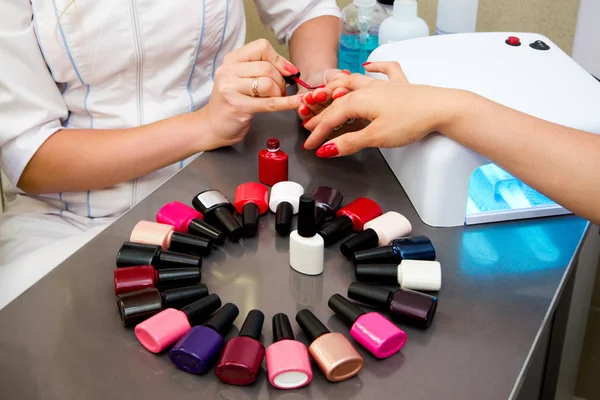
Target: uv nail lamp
448 184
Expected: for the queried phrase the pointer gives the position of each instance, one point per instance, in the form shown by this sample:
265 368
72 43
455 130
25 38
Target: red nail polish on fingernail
305 111
320 97
367 63
338 95
328 151
345 71
290 68
306 121
309 99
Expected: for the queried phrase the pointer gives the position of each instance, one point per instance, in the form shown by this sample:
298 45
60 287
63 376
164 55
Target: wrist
455 103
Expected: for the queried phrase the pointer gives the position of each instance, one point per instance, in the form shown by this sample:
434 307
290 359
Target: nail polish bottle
372 330
128 279
137 306
185 219
272 164
242 355
379 231
163 235
307 250
334 354
219 211
250 201
328 201
198 350
350 218
168 326
406 306
410 248
288 364
284 201
410 274
132 254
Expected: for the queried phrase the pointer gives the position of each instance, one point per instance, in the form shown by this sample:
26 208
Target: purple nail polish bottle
198 350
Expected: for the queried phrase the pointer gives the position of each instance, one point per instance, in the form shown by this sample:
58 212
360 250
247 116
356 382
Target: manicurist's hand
400 113
249 81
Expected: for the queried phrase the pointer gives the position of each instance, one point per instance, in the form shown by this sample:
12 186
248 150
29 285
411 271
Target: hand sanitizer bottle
403 24
359 33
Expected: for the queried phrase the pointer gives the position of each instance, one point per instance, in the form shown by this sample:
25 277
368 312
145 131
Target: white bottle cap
420 275
365 3
405 9
286 191
389 226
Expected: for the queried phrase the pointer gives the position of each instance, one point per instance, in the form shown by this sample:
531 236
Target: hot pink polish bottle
288 364
185 219
372 330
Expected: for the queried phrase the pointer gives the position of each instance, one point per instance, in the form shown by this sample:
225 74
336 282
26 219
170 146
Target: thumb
348 143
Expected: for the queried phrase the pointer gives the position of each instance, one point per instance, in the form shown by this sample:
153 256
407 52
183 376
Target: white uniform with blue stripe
108 64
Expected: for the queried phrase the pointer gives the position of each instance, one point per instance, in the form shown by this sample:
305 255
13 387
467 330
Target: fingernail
305 111
290 68
338 95
327 151
345 71
367 63
320 97
309 99
304 123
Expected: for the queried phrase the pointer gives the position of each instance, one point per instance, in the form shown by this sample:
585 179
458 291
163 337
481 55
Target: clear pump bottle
359 33
403 23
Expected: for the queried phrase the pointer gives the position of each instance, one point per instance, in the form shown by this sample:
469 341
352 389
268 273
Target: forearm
76 159
313 46
560 162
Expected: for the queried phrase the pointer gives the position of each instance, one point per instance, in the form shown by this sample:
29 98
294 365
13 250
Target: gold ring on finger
255 87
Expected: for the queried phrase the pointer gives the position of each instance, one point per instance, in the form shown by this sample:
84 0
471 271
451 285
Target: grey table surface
62 339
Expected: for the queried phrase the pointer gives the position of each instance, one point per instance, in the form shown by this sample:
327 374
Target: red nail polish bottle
272 164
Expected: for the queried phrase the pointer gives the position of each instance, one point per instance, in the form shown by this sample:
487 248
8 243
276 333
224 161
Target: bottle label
440 31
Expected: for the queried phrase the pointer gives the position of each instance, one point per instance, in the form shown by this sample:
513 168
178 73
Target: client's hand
400 113
249 81
313 102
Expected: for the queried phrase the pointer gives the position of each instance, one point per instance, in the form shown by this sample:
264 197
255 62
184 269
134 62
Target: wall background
553 18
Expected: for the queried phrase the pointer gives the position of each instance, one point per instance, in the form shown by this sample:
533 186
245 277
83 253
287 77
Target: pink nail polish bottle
372 330
288 364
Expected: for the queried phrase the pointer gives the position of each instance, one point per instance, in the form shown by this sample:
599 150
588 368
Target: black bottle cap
366 239
221 322
310 324
290 79
181 297
282 329
209 200
338 229
202 228
233 228
183 243
387 2
414 248
283 217
132 254
171 259
377 273
328 200
345 309
375 296
379 255
253 324
307 226
135 307
177 277
200 310
250 214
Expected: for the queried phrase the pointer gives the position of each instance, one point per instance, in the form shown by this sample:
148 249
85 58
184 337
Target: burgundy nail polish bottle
132 254
197 351
328 201
350 218
129 279
272 164
404 305
242 355
372 330
250 201
187 220
135 307
410 248
217 209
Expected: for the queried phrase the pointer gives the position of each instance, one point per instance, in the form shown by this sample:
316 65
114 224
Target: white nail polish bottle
284 203
307 248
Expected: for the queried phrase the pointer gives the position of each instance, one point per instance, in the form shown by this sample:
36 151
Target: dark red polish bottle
242 355
272 164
